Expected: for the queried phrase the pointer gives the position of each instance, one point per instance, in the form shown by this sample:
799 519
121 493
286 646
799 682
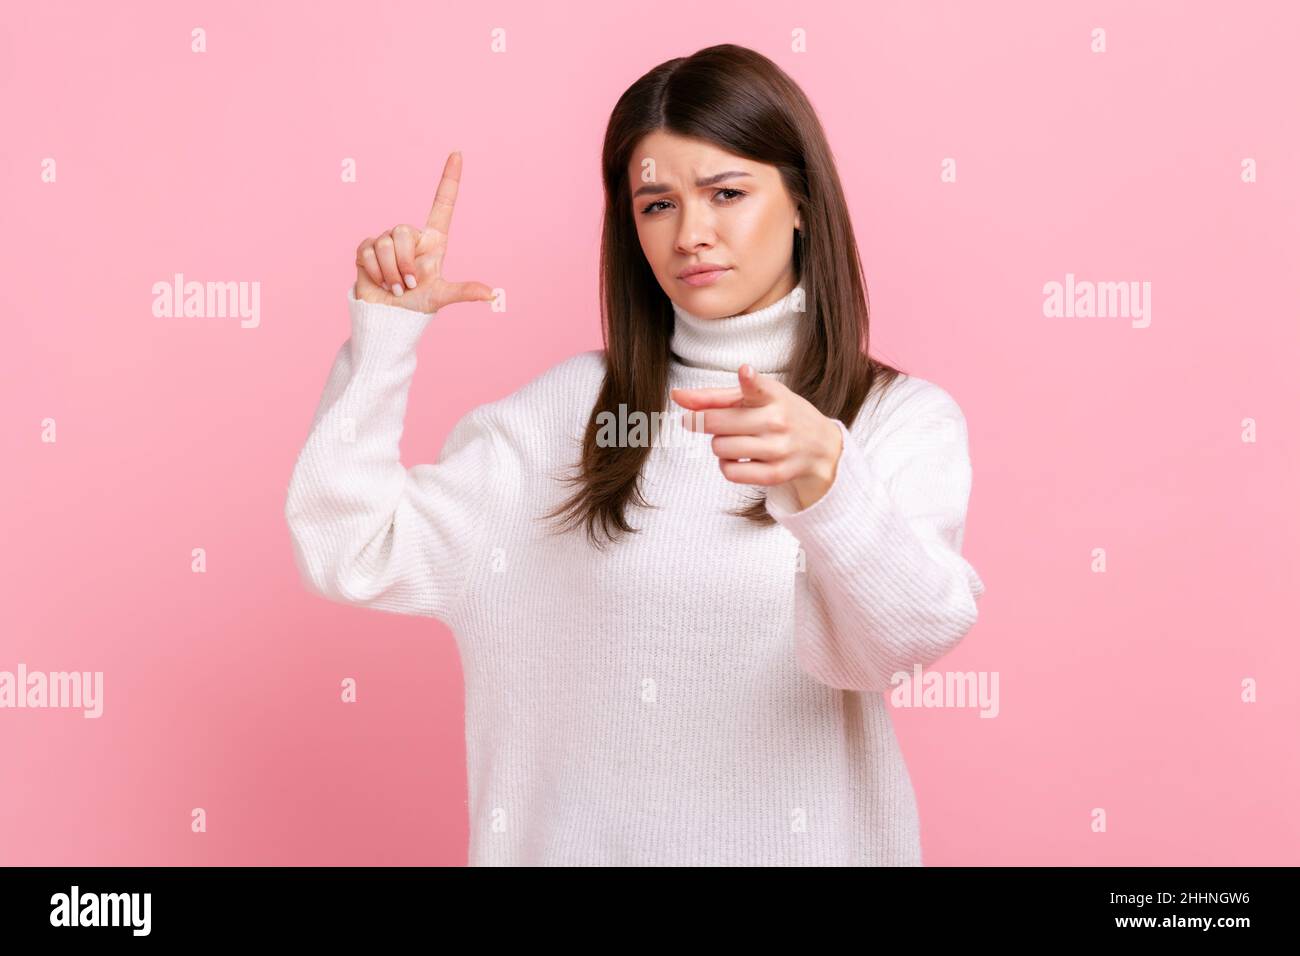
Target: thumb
469 292
754 388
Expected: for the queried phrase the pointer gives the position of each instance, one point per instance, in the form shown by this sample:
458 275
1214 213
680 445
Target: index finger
698 398
444 201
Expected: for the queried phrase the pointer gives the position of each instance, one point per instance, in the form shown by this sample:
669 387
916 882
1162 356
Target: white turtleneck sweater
706 692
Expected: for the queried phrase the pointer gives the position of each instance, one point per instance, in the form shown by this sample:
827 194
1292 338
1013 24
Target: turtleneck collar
764 338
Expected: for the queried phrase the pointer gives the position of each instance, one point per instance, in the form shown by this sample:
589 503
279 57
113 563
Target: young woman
675 652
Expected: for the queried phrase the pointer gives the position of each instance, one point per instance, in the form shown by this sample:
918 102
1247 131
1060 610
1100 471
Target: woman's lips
704 278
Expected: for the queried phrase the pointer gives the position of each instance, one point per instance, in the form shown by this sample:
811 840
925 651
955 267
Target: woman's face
694 205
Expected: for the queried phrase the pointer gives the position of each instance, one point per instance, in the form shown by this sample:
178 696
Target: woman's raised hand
403 266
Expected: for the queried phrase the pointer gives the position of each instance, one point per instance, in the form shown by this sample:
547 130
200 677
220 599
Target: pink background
1118 690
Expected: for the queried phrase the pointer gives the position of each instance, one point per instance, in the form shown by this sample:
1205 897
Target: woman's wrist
812 486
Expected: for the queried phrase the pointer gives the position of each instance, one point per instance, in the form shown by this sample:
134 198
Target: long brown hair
743 103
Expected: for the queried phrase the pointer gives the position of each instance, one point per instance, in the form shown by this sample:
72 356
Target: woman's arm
886 586
366 530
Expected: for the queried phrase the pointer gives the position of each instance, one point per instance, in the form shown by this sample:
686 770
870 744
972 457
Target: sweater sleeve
885 586
366 530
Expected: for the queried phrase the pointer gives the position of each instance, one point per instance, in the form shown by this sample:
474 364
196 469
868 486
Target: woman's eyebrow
654 189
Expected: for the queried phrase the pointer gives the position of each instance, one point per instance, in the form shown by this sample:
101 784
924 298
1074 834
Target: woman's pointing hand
783 435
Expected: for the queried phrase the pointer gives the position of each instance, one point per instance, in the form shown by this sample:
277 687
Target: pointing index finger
700 398
444 201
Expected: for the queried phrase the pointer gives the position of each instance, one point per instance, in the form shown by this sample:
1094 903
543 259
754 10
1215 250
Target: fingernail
410 282
397 288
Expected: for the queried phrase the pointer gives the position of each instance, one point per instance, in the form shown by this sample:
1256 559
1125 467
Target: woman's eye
735 197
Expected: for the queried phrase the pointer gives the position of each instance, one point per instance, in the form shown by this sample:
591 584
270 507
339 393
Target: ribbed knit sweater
705 692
